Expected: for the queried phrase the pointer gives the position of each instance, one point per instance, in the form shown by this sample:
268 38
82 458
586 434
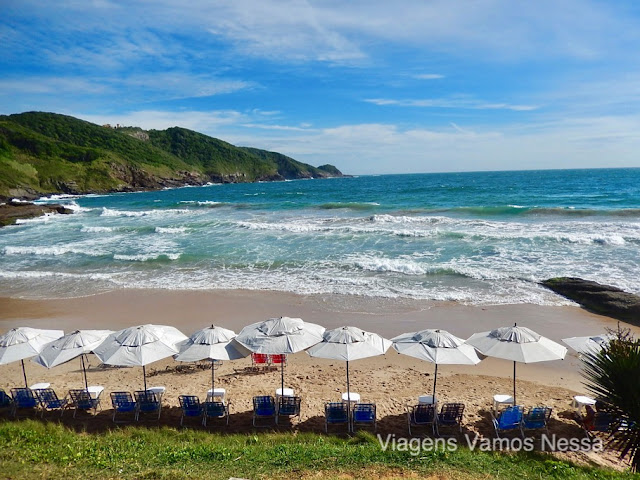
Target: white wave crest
51 251
403 219
201 203
146 257
41 274
97 229
41 219
172 230
54 198
406 267
107 212
77 208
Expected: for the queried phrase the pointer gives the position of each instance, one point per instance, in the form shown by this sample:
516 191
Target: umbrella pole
24 373
84 370
144 376
435 379
282 376
514 384
213 376
348 399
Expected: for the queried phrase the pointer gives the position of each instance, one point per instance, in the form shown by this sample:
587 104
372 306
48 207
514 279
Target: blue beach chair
123 402
288 407
536 419
450 416
509 419
335 413
23 398
191 407
81 400
5 400
364 415
422 415
49 401
264 406
147 402
219 410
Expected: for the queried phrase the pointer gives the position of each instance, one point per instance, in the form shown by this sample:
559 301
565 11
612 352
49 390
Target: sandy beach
391 381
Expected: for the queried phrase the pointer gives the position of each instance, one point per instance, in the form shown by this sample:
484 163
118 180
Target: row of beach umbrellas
145 344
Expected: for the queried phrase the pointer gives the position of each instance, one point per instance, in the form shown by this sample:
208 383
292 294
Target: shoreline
194 309
392 381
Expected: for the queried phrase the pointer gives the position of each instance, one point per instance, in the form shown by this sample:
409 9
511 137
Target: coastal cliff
48 153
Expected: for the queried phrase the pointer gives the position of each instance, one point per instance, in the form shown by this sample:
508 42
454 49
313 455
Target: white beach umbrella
279 336
436 346
518 344
72 345
24 342
211 343
348 344
592 344
139 346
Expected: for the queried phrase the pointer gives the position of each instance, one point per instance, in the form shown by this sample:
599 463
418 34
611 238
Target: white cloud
385 148
138 87
428 76
203 122
463 103
332 31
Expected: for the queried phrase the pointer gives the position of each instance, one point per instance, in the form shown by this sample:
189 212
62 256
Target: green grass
32 449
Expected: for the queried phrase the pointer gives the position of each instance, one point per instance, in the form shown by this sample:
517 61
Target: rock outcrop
12 211
595 297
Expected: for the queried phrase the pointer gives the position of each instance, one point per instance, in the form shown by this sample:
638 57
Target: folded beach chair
147 402
450 416
508 419
421 415
264 406
259 361
277 361
288 407
363 415
49 401
190 406
81 400
123 402
535 419
23 398
335 413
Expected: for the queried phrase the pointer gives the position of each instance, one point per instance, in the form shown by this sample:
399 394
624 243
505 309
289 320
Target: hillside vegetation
44 153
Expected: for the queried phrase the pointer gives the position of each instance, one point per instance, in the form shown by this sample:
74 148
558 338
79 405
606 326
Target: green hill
43 153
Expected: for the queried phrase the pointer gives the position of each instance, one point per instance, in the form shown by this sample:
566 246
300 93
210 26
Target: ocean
480 238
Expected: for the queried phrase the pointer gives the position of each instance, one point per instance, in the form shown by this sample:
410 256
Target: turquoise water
476 238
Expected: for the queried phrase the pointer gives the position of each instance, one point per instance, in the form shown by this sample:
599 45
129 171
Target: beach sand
392 381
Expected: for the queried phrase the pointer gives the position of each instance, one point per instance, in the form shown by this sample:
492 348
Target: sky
372 87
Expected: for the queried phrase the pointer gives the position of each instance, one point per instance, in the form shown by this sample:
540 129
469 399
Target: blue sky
369 86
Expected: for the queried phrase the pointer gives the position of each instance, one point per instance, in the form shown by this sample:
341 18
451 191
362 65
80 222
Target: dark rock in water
12 211
598 298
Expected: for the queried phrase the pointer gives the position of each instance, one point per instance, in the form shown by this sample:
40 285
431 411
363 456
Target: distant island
48 153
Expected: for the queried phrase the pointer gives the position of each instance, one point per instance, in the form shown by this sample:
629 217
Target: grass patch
30 449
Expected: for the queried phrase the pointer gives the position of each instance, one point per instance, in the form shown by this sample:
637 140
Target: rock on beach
602 299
